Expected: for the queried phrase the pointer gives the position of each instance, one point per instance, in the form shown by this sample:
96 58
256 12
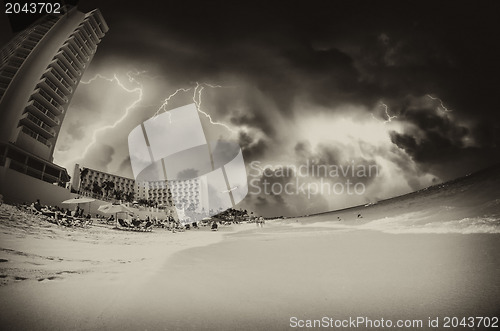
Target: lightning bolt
197 93
389 117
135 104
446 110
165 102
115 78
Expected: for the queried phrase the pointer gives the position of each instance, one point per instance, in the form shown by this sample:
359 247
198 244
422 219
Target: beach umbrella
115 209
79 201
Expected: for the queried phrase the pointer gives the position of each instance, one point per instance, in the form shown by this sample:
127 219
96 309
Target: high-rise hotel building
40 69
84 179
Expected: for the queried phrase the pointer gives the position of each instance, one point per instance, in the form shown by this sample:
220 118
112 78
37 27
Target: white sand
246 278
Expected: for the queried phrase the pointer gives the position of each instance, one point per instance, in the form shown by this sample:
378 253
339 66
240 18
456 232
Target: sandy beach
242 277
92 266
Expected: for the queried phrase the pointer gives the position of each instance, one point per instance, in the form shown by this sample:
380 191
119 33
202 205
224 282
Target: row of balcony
39 110
70 61
11 47
25 169
78 53
64 70
37 125
100 176
31 37
94 26
53 89
83 43
88 32
36 136
48 100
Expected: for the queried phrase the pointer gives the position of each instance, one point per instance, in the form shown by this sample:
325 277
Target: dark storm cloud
261 44
400 48
328 53
254 119
252 148
405 166
441 138
438 141
368 50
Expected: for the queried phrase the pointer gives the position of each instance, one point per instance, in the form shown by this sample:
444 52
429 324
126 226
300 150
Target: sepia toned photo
249 165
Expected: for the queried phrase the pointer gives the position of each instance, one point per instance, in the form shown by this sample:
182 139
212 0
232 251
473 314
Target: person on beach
37 205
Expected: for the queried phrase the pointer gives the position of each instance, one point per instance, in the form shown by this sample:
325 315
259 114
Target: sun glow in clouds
347 129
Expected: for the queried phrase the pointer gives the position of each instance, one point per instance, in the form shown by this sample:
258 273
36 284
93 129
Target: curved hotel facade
40 69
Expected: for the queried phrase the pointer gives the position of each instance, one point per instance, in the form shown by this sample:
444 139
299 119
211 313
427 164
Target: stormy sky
409 86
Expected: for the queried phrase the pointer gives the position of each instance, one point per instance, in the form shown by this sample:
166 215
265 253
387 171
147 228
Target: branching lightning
140 92
441 105
389 117
115 78
165 102
197 94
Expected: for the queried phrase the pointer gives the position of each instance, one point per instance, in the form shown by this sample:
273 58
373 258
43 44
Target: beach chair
58 218
79 221
33 210
123 224
68 220
82 221
148 226
136 224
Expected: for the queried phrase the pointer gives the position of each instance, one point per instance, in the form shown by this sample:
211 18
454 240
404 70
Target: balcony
36 136
53 90
77 50
58 80
46 99
68 63
64 71
39 110
90 32
80 42
37 126
72 57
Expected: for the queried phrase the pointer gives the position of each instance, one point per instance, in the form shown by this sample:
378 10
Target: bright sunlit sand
430 254
242 277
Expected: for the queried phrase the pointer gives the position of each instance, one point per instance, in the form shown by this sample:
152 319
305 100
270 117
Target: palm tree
83 173
96 189
107 186
129 197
